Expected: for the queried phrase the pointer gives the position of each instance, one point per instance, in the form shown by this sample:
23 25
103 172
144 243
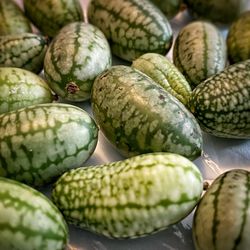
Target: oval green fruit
221 218
222 11
163 72
40 142
238 39
12 19
29 220
130 198
74 58
49 16
199 51
20 88
221 104
132 27
25 51
138 116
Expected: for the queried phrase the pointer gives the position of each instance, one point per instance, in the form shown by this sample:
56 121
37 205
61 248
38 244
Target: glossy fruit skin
39 143
73 60
223 11
12 19
200 51
49 16
221 104
164 72
138 116
21 88
221 218
25 51
238 39
29 220
129 198
133 27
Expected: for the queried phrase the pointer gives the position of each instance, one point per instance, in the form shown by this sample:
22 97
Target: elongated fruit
20 88
222 11
50 16
12 19
163 72
130 198
138 116
25 51
238 39
40 142
199 52
222 104
75 57
221 220
133 27
29 220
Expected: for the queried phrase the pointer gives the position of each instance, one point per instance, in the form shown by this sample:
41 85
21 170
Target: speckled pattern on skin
76 56
29 220
40 142
222 102
25 51
139 116
133 27
199 52
214 221
130 198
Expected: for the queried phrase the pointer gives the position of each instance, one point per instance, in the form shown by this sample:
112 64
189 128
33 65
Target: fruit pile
153 110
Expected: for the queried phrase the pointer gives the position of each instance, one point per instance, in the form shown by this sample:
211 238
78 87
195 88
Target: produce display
106 110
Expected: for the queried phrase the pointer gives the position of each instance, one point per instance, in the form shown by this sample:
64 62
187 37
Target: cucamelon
39 143
130 198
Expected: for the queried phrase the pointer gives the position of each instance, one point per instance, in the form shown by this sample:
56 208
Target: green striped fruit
29 220
74 58
221 220
20 88
25 51
163 72
222 103
133 27
169 7
12 19
199 52
222 11
238 39
138 116
130 198
50 16
40 142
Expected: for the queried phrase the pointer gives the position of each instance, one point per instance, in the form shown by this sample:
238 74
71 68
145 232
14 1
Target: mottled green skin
222 103
199 52
130 198
29 220
20 88
12 19
133 27
163 72
138 116
49 16
41 142
222 11
169 7
25 51
238 39
74 58
221 220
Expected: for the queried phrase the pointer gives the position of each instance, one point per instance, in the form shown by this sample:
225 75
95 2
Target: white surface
218 156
